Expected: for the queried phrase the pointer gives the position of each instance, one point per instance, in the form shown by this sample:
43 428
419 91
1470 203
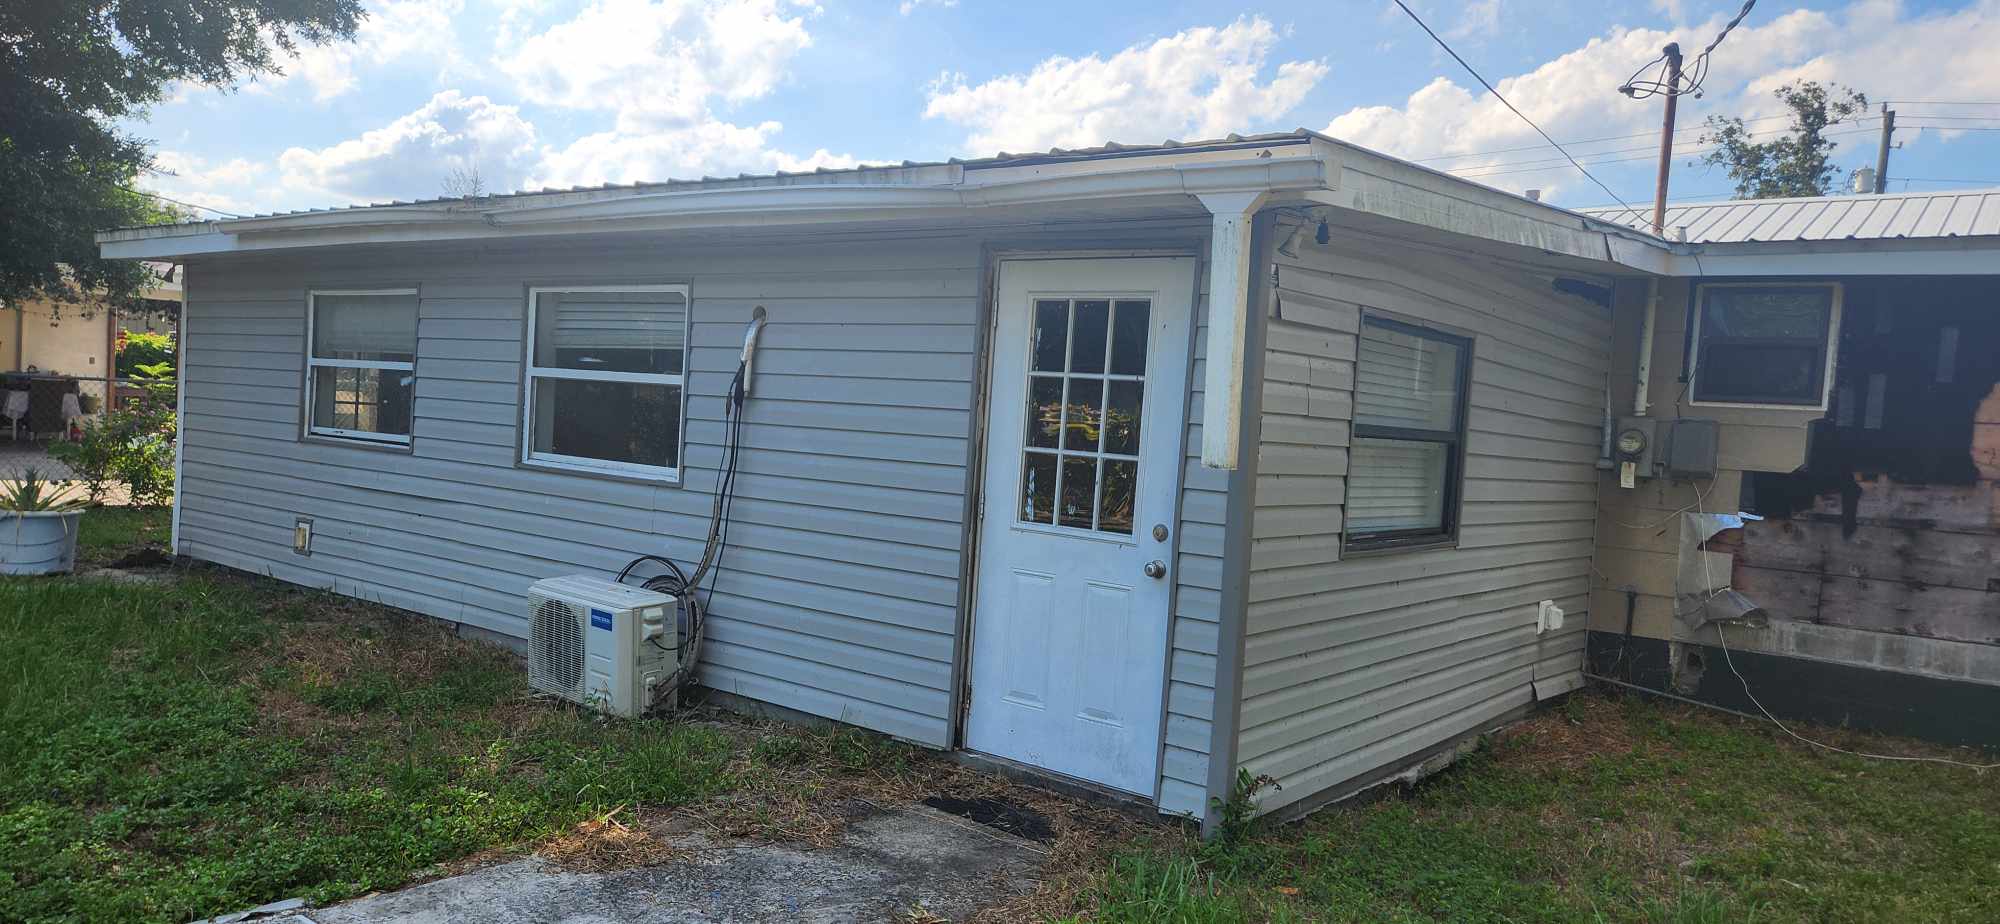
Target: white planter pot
38 541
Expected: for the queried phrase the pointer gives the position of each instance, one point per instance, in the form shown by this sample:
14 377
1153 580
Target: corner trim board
1241 507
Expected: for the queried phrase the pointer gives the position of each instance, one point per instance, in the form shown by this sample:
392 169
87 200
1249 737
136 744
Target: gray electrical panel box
1687 447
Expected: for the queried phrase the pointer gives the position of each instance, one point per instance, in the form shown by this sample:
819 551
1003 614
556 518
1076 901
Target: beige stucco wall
63 341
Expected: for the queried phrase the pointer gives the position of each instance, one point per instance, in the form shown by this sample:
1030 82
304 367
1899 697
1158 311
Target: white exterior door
1083 448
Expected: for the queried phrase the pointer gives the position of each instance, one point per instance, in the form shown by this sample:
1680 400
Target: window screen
1409 408
606 378
360 364
1763 344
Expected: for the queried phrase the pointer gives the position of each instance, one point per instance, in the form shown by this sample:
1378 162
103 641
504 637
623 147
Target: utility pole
1673 55
1882 152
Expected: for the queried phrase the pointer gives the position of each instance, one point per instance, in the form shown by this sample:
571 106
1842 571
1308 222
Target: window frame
1829 352
311 431
553 461
1446 535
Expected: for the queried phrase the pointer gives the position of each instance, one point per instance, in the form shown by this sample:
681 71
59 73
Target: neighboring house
1130 465
1859 411
74 346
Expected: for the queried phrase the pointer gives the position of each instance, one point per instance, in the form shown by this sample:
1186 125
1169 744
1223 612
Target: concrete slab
888 864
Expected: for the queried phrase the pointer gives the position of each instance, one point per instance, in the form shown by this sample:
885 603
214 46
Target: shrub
133 445
143 349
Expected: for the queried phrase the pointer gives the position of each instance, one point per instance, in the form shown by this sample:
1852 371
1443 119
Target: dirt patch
605 843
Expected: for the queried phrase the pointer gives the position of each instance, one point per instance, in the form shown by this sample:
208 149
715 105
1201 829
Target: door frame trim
992 257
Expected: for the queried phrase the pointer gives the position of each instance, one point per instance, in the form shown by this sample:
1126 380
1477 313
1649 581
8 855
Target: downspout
1641 396
1251 296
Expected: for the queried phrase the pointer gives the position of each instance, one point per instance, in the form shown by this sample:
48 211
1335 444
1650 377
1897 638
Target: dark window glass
1763 344
1051 335
1093 318
1130 325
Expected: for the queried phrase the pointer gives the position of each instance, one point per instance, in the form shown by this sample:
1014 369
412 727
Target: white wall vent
600 643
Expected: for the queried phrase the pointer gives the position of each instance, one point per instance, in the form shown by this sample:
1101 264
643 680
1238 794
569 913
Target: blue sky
571 92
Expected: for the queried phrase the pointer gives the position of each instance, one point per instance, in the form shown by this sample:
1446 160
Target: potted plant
38 525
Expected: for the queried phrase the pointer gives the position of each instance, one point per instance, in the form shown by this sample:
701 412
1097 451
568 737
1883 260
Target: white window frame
1831 347
314 363
531 372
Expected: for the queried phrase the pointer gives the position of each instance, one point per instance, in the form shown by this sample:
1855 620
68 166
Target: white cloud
1479 20
1876 46
194 180
659 62
409 157
712 148
1201 82
911 6
395 31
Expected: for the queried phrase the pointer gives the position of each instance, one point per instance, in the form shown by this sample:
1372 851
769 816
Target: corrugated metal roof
1961 213
884 174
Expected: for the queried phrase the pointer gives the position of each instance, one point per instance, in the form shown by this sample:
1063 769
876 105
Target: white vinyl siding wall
838 596
1197 606
1356 665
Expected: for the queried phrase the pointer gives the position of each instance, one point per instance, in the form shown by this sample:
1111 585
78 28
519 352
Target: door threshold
1128 803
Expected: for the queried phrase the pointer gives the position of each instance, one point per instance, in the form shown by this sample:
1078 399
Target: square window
1764 344
361 364
607 379
1403 469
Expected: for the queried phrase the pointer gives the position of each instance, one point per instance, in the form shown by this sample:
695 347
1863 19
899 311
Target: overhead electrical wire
1503 100
154 195
1691 77
1581 141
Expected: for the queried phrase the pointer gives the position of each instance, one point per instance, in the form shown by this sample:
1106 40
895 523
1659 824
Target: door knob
1156 569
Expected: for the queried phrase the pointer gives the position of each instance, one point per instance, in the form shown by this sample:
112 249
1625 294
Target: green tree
68 70
1799 163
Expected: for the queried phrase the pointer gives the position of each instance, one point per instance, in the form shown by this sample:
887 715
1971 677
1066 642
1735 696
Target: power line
1537 147
1503 100
1927 179
1596 156
191 205
1941 102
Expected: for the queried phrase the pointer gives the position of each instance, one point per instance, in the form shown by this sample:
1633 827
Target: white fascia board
1904 257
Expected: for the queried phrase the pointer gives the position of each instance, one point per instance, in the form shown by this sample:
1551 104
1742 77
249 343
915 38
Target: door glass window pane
1121 417
1050 349
1116 498
635 422
1403 380
376 328
1395 485
1079 492
1038 488
642 332
1130 325
1083 425
1093 320
1045 407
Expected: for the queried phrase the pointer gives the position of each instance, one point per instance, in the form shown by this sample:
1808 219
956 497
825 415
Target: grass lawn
1611 809
177 750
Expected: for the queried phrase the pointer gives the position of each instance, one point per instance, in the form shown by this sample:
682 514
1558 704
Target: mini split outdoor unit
600 643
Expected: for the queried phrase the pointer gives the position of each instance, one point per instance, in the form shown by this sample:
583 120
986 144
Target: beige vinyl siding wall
839 594
1353 666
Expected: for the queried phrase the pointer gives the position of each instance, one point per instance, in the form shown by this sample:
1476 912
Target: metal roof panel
1963 213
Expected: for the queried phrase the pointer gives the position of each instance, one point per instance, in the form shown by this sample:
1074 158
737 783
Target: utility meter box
1688 447
1634 448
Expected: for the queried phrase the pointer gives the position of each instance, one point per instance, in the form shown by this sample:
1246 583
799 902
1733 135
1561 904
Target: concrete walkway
889 865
